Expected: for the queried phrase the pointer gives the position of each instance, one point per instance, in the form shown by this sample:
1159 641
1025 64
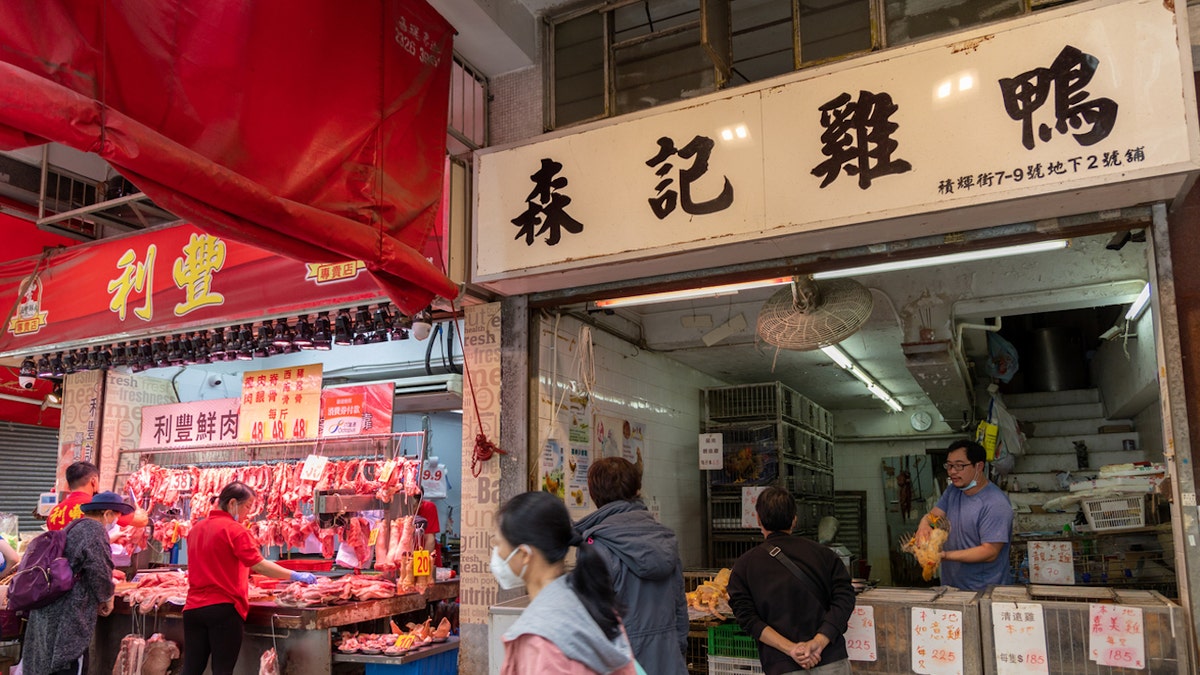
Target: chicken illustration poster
552 468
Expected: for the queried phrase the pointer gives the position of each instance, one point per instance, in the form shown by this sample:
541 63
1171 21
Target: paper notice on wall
711 449
633 441
1051 562
937 644
578 461
860 634
607 436
1116 636
1020 634
750 505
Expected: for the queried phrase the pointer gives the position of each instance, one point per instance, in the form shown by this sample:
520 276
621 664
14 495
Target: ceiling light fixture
891 266
839 357
1139 305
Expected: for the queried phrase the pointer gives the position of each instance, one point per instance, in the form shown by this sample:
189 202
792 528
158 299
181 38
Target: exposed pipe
45 181
976 326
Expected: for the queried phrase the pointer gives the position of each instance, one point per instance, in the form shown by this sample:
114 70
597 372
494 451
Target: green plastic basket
728 639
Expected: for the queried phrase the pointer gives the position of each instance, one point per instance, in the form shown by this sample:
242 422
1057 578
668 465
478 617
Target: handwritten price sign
422 564
1051 562
937 646
860 634
1019 631
1116 636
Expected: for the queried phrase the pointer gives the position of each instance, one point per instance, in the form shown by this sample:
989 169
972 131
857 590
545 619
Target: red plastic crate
306 564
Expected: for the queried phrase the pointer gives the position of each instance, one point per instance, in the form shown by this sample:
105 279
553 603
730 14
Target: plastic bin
728 639
306 564
1115 513
728 665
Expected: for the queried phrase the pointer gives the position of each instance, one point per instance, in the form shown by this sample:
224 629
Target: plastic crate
728 639
727 665
1115 513
306 564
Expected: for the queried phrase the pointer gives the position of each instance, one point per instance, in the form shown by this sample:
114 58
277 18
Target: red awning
311 128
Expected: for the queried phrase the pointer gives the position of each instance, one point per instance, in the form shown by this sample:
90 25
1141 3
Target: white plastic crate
1115 513
728 665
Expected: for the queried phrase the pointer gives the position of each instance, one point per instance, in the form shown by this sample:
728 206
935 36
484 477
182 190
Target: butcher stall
304 639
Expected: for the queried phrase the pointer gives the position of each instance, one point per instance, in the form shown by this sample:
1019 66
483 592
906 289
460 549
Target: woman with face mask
571 625
221 554
58 634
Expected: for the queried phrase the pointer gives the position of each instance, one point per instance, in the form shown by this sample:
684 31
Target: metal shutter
28 461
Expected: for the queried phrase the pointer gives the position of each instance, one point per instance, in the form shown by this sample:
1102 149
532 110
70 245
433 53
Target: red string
484 448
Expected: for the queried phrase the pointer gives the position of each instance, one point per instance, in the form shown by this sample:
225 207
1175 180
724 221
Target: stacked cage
771 435
898 649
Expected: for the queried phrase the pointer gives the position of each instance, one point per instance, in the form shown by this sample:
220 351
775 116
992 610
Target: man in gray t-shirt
976 553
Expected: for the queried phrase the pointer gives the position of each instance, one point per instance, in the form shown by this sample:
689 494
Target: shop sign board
161 281
79 432
357 410
281 404
1037 106
126 398
189 425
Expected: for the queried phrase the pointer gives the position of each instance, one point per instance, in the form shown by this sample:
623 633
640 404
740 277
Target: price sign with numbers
937 641
405 641
1020 634
860 634
1116 636
1051 562
314 466
711 452
422 564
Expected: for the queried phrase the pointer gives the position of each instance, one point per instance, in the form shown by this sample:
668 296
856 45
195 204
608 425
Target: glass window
579 69
763 42
911 20
831 28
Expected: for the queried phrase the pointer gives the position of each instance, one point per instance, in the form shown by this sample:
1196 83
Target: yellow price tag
385 472
405 641
422 564
374 535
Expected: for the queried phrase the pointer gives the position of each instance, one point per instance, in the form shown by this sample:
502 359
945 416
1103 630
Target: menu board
1051 562
860 634
1117 636
937 645
1020 633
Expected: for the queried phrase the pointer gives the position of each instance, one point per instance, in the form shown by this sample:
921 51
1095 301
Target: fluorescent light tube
691 293
839 357
1139 305
948 259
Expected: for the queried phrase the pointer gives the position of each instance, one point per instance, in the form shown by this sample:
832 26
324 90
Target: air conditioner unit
429 393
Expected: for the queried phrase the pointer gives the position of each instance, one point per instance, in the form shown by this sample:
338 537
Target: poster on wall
357 410
282 404
633 441
480 484
79 431
579 410
607 438
126 398
551 468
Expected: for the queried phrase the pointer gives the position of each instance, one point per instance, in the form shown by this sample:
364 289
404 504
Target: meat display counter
302 636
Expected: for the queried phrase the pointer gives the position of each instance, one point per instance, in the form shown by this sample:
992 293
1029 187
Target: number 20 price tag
422 564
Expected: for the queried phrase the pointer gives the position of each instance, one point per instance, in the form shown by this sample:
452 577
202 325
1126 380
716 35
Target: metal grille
1143 559
767 401
28 463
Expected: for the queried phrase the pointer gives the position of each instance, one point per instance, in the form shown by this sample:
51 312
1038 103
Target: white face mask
974 481
507 578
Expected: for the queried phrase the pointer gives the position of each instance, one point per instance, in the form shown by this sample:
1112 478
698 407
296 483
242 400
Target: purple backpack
44 575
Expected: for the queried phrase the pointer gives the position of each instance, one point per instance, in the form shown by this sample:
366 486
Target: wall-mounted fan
807 314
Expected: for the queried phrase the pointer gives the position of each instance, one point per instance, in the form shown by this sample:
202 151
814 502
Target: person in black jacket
792 594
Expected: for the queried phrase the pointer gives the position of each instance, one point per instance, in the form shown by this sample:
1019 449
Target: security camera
215 380
27 381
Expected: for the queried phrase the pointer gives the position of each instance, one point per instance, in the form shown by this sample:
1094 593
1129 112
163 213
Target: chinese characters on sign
857 138
1067 76
203 256
860 634
136 275
937 644
1051 562
1116 637
711 452
280 405
182 425
546 207
357 410
750 506
1042 171
663 204
1020 635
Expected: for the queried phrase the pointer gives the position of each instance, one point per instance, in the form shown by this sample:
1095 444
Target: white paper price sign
937 645
860 634
1020 634
314 467
711 451
1051 562
1116 636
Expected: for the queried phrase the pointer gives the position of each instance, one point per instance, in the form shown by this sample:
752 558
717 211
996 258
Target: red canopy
311 128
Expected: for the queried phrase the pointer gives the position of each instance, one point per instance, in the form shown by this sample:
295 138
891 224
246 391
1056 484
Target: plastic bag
10 529
1002 358
1011 440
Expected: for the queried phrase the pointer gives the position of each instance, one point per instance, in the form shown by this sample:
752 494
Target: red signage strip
169 280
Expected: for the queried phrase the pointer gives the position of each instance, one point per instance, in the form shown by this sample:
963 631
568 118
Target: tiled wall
641 387
516 108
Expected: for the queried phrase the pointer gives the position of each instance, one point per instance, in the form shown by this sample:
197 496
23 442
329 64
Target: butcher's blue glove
304 577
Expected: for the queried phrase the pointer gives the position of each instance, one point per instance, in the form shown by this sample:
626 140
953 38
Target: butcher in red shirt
83 479
221 554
